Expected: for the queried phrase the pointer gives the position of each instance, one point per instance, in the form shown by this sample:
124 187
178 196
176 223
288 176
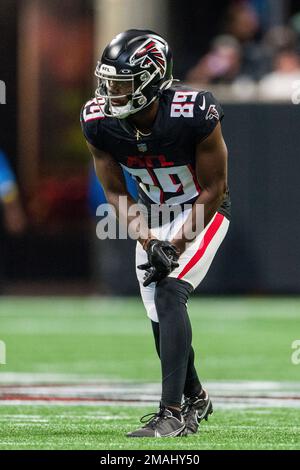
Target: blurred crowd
14 217
256 55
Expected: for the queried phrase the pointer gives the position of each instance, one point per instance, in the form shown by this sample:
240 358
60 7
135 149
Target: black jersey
163 162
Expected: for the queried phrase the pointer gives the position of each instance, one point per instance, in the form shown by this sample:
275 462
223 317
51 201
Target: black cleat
194 410
161 424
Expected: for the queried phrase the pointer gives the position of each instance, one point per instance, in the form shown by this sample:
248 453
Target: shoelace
153 418
186 405
189 402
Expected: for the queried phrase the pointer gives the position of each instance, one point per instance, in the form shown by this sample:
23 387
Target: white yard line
218 404
54 379
73 390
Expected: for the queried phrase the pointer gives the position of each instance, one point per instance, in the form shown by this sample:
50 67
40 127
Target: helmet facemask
120 87
114 94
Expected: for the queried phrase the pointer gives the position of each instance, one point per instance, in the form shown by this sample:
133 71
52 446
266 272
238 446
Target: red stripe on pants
208 236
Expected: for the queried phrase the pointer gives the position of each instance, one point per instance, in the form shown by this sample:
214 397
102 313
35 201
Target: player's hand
162 259
152 274
162 255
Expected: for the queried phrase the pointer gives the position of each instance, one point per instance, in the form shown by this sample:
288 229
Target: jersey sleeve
91 116
207 114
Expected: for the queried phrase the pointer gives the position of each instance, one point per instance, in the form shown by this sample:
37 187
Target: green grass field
36 427
101 339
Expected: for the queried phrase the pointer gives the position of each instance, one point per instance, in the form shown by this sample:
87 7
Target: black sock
175 336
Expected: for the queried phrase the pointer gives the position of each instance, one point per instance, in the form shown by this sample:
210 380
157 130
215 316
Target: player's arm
211 173
112 180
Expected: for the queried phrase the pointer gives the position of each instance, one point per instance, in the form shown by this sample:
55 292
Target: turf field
81 371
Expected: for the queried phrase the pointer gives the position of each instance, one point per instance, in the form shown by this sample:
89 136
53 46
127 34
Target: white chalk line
38 390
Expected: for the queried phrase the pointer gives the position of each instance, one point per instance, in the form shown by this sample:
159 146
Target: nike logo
203 104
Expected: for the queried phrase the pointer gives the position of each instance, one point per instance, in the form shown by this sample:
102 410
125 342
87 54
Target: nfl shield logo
142 147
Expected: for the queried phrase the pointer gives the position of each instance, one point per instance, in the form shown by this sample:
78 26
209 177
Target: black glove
153 274
162 259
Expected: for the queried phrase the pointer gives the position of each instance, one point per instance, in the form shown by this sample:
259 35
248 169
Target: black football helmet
135 67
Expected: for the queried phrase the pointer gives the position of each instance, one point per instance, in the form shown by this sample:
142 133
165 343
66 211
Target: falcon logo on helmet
149 54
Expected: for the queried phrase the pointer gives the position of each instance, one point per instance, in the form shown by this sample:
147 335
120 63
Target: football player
169 138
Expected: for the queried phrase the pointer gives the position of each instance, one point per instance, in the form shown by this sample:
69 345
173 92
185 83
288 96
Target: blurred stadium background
63 313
